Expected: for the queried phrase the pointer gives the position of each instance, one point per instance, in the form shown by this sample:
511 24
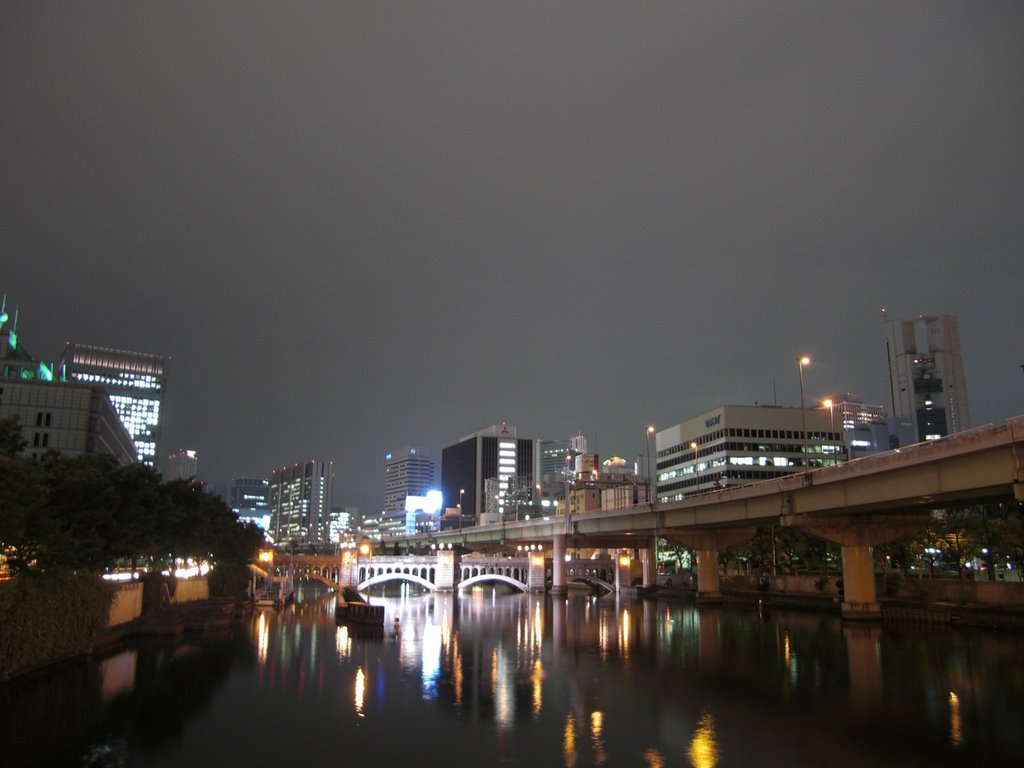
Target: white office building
741 444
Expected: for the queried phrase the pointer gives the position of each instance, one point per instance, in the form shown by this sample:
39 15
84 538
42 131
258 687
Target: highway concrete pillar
859 598
558 586
709 588
650 554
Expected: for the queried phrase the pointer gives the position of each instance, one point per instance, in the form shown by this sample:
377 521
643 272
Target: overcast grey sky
358 226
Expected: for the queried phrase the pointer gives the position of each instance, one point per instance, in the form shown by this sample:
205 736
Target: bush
46 617
229 580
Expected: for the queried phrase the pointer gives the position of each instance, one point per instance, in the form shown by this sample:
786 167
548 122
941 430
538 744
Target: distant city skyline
361 226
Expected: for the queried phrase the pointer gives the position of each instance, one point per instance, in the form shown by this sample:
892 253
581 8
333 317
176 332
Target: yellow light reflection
624 633
703 751
494 673
343 642
538 628
653 758
956 734
537 678
262 638
597 737
602 635
457 653
360 691
569 741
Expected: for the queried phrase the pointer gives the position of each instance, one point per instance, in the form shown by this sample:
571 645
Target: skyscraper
926 375
135 381
408 471
183 464
249 498
300 502
489 472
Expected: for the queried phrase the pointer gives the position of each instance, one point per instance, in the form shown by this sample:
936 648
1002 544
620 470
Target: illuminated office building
55 415
135 381
65 417
300 503
408 471
742 444
249 498
491 473
926 375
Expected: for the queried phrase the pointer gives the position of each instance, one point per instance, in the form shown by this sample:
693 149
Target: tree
12 442
23 491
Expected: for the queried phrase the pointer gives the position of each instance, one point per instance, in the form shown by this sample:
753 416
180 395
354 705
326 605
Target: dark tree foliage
12 442
87 513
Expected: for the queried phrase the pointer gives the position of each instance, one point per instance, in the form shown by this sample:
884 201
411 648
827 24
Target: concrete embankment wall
962 592
988 594
127 604
191 590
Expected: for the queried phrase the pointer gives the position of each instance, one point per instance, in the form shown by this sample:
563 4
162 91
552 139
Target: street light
650 478
801 362
827 402
462 492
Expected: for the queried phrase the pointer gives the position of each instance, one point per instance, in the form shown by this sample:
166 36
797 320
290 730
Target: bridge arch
492 577
315 576
394 575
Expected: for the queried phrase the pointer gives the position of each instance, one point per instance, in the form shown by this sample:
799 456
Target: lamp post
462 492
650 478
650 500
696 481
827 402
801 362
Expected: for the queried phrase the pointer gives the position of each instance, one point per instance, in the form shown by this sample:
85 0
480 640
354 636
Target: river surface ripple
490 678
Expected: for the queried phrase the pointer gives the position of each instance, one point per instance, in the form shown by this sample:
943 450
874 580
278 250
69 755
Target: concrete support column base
708 583
860 603
862 611
558 575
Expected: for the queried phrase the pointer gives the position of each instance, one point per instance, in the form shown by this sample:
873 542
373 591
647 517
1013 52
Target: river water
488 678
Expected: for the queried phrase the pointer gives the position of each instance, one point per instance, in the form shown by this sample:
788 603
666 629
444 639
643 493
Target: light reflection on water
488 677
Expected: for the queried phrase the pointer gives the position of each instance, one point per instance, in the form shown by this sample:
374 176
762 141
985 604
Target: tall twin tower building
926 375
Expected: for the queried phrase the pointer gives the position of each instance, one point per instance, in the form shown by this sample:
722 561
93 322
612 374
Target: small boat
352 608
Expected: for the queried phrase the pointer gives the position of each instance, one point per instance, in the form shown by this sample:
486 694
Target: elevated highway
859 504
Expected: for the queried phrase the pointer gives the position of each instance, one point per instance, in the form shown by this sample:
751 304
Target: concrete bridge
446 571
858 505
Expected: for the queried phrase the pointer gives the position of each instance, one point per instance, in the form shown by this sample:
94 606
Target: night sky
362 225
